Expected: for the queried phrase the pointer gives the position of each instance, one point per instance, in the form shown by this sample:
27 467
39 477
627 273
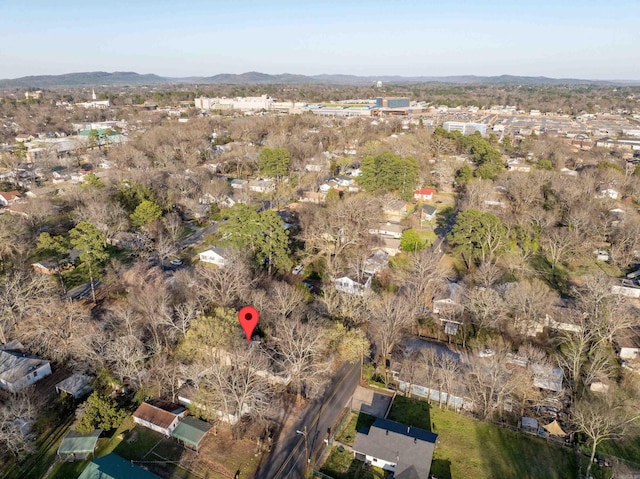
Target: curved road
287 459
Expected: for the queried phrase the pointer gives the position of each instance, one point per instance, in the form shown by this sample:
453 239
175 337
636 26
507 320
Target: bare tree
301 351
237 387
62 331
490 381
15 411
558 244
486 307
391 316
603 418
226 285
126 356
21 294
529 301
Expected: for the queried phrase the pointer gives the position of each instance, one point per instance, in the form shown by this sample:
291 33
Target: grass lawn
342 465
358 422
54 425
467 448
106 445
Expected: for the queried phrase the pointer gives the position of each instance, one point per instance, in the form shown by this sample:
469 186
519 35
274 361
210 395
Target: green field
357 422
467 448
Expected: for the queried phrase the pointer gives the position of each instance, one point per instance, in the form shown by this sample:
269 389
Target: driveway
369 401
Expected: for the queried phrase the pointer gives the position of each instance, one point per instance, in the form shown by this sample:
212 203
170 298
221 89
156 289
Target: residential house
406 451
187 397
344 181
376 262
395 210
450 301
18 369
629 344
427 213
23 138
9 197
349 286
239 184
516 164
391 246
262 186
547 377
313 197
215 256
423 194
162 418
626 288
393 230
46 266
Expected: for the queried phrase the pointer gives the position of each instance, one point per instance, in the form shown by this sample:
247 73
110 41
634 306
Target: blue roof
410 431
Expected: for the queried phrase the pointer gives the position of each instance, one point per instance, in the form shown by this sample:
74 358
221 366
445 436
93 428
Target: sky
180 38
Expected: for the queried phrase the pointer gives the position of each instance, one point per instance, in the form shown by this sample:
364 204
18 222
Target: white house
262 186
214 255
427 213
629 344
423 194
406 451
344 180
158 419
611 193
394 230
18 370
349 286
239 184
391 246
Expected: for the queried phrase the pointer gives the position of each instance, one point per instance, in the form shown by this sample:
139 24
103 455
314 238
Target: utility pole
306 449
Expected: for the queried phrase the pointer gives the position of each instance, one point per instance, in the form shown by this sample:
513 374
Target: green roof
113 466
76 443
191 430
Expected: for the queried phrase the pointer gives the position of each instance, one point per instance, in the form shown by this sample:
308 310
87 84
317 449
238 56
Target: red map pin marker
248 318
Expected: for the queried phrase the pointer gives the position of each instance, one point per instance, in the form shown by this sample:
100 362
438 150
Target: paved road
287 460
196 236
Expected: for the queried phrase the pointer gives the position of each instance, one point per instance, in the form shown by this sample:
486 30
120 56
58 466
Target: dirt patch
220 457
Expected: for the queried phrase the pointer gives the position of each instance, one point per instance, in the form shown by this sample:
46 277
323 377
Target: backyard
470 448
342 465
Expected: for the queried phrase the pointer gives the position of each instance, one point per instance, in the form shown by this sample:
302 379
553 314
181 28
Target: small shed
191 432
76 385
77 447
529 423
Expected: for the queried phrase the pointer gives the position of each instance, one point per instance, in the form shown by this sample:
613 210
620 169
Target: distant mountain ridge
248 78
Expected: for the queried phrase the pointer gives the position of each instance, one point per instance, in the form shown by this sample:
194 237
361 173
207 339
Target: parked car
298 269
176 262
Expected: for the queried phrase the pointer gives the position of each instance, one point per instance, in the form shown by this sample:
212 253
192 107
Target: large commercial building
465 128
392 102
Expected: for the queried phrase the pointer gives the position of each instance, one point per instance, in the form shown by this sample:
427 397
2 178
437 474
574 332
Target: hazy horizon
582 40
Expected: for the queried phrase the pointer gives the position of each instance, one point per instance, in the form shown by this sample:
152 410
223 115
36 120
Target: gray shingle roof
410 448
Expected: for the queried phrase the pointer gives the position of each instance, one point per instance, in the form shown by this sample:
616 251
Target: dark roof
113 466
191 430
428 209
410 448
